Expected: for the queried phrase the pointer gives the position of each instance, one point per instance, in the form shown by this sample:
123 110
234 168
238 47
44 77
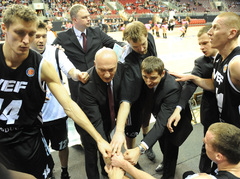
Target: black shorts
140 115
56 132
31 156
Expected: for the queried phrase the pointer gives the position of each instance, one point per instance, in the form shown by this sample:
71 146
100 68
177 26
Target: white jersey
52 110
50 37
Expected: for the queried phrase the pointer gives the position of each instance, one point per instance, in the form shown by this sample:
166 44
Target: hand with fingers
105 148
132 155
114 172
83 77
182 77
118 140
174 119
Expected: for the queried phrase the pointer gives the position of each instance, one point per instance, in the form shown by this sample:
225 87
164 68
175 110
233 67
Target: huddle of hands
115 166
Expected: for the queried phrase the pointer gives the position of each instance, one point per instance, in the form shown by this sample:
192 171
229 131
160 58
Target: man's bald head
106 64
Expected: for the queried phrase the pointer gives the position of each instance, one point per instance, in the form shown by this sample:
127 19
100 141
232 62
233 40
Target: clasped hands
117 163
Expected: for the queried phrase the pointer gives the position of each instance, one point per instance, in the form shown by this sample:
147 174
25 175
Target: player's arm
119 161
69 69
234 67
205 83
20 175
50 76
119 136
77 75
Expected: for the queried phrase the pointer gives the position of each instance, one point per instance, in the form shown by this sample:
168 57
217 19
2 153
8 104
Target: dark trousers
170 155
91 155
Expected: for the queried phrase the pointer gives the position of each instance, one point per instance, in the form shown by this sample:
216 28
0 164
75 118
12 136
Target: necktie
84 42
111 105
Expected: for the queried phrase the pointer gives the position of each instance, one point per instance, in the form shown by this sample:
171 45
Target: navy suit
164 101
208 110
93 99
96 39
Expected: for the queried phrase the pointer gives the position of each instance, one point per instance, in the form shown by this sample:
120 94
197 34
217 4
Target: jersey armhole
228 76
42 84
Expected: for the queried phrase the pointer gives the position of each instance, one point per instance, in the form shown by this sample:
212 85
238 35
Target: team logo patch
30 72
225 68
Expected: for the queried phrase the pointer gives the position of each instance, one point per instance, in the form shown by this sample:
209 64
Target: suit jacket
209 111
96 39
165 99
93 99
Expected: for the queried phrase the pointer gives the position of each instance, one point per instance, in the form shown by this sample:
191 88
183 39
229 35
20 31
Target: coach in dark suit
73 42
165 95
93 99
208 109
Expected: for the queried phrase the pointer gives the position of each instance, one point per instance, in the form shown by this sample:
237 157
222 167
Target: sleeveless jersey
21 99
228 97
225 175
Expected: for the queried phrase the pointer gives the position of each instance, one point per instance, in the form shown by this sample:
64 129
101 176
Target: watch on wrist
142 150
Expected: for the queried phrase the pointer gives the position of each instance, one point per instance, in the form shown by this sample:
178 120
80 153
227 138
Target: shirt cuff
179 107
145 145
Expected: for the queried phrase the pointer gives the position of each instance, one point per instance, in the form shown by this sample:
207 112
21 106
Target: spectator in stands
63 26
104 25
99 24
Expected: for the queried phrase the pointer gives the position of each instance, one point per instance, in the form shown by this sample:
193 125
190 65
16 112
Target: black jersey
225 175
21 100
228 97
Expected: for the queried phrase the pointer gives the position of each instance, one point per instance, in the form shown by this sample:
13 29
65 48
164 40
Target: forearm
205 83
76 113
123 112
134 172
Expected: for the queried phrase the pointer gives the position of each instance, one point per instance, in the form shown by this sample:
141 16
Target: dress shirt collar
155 87
78 32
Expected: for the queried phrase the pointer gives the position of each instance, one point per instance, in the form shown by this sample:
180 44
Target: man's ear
219 157
95 63
4 28
163 73
233 33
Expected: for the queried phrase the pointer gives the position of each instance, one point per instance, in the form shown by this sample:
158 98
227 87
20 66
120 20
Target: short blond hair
134 31
231 20
75 8
19 11
226 140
